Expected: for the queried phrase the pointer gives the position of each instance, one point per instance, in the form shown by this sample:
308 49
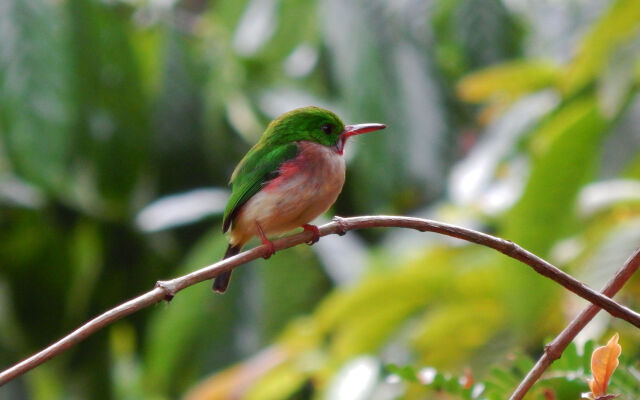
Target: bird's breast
317 168
304 188
309 184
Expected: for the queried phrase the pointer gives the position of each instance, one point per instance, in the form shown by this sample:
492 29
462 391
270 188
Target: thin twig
167 289
554 350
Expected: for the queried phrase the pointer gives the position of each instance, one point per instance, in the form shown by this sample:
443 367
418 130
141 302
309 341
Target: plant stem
554 350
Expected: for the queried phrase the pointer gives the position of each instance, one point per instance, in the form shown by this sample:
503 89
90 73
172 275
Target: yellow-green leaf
508 81
619 24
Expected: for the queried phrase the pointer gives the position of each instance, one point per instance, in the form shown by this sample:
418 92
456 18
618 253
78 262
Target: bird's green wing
260 165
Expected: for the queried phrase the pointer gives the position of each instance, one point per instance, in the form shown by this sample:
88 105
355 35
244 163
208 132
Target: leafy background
121 120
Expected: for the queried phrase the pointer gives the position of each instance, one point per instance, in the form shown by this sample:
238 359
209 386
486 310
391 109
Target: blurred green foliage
515 118
565 379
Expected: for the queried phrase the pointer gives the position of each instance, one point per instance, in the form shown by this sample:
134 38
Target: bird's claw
263 238
342 227
271 249
315 232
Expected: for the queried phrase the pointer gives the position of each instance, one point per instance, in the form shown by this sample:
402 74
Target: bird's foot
342 227
314 230
271 248
263 238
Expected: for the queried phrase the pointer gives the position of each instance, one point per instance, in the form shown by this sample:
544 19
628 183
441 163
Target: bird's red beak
352 130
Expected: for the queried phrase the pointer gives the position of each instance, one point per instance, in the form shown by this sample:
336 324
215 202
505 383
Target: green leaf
507 81
113 126
466 326
280 383
293 283
503 377
36 112
587 350
571 360
487 31
407 372
523 364
565 152
617 25
87 262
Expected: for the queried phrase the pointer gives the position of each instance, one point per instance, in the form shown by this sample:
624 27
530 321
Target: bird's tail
222 281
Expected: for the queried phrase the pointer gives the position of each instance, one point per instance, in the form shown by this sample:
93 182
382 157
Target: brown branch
554 350
167 289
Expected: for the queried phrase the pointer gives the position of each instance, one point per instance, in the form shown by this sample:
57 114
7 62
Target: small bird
293 174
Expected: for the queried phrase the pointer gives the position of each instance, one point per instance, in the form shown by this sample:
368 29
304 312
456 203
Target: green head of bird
314 124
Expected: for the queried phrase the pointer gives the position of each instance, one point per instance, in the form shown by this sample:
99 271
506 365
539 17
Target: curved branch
165 290
554 350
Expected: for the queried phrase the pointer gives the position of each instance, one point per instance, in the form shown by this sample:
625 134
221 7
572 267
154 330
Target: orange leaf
604 361
467 380
549 394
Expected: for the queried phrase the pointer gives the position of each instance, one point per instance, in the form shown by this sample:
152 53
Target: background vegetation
121 121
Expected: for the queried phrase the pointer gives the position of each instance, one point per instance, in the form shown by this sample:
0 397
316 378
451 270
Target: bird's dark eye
327 128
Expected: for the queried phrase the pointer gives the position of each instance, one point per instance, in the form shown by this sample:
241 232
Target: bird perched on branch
293 174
